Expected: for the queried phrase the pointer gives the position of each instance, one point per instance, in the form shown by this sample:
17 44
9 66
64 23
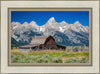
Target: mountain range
64 34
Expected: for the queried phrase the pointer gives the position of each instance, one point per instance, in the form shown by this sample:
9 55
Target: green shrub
57 60
23 55
13 58
45 56
46 60
60 59
76 60
20 60
75 49
39 60
68 49
54 57
84 60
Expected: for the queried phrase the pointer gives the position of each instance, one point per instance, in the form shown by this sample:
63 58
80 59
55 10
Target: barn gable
50 40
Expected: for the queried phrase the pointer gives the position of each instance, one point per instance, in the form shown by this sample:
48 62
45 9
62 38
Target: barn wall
51 44
61 47
50 41
25 50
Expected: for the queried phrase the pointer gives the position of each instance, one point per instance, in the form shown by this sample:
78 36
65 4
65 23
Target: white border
53 69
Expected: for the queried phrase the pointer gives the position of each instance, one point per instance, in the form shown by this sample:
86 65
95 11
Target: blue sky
41 17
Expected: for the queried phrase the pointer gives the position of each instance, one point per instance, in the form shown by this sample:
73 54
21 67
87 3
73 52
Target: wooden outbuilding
41 43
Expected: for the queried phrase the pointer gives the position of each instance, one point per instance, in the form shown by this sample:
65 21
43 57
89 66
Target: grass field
49 56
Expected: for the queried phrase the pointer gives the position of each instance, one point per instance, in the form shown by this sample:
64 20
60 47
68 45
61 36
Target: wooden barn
41 43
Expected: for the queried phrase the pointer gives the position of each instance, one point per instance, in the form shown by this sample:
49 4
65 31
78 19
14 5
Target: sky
41 17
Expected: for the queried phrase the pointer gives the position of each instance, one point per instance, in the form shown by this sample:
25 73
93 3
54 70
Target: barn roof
30 45
39 39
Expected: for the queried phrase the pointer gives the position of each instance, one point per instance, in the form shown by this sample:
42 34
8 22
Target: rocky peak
77 23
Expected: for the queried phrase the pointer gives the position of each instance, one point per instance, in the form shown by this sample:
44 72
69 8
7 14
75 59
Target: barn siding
50 43
25 50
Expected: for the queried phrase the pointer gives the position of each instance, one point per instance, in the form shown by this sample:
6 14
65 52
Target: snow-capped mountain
64 33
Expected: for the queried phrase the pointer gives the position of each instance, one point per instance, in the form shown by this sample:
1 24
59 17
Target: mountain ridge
74 34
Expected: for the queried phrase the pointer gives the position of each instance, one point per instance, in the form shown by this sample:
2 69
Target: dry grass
41 51
47 51
53 53
15 50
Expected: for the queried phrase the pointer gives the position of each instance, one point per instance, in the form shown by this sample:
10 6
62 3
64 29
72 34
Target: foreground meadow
49 56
